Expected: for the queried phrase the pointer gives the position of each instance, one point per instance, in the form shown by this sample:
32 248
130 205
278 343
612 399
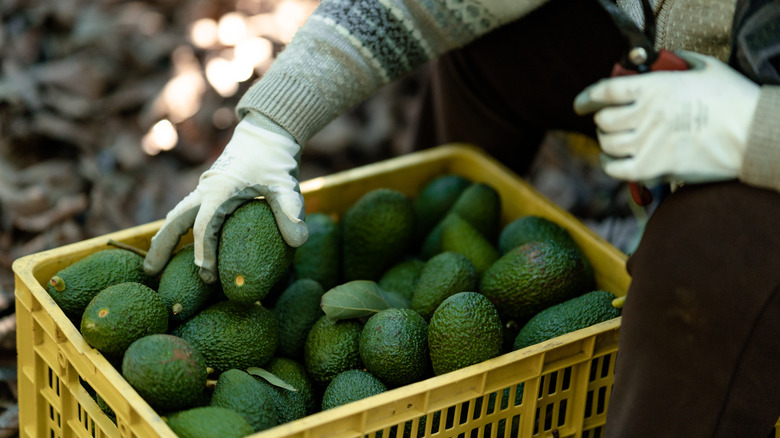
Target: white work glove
690 126
255 162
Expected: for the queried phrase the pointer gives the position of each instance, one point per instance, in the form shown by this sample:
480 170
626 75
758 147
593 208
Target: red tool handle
666 61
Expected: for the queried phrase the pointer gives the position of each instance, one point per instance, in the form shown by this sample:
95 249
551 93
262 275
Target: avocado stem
121 245
58 283
618 302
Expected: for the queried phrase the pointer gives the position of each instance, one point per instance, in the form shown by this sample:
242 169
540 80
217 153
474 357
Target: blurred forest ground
110 110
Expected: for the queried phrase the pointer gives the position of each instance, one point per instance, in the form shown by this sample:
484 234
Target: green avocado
119 315
377 233
166 371
73 287
252 255
571 315
208 422
241 392
181 287
232 335
464 330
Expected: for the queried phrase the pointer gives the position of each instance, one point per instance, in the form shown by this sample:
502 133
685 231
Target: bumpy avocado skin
252 255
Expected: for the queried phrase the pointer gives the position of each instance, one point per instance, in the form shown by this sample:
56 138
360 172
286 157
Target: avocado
332 347
402 277
479 205
320 257
464 330
252 255
350 386
534 276
443 275
571 315
208 422
435 199
74 286
103 405
460 236
291 405
181 287
297 309
269 301
120 314
238 390
394 346
530 228
431 244
165 370
232 335
377 233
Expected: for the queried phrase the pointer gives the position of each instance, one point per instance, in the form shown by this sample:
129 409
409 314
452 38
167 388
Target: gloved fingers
208 223
619 144
630 169
625 169
289 211
632 130
177 222
621 90
618 118
585 104
648 165
639 138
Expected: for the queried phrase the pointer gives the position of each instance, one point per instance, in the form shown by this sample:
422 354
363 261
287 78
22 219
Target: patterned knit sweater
348 49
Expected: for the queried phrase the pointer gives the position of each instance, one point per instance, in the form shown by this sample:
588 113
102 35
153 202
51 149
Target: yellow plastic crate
566 380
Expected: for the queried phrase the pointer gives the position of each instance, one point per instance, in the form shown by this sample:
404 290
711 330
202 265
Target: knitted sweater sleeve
761 165
348 49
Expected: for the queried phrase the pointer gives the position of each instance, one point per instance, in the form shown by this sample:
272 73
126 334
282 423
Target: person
698 343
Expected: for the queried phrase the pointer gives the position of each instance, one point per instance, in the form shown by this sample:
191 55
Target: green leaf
270 378
354 299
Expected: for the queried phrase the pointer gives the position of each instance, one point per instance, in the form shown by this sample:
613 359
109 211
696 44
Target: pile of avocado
396 290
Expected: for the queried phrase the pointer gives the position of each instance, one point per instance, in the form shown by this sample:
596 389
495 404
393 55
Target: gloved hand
255 162
687 126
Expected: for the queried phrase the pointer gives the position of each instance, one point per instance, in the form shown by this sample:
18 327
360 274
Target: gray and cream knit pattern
349 48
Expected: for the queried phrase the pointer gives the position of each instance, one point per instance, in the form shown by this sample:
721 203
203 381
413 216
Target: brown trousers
699 352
